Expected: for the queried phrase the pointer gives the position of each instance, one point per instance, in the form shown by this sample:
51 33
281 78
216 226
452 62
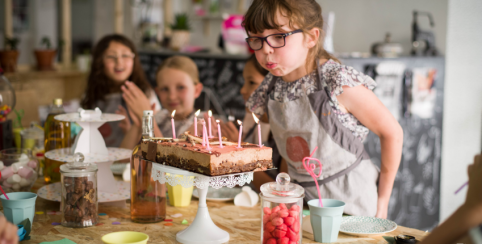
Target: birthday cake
188 153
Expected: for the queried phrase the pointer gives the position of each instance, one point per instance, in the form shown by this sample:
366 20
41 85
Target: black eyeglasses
274 40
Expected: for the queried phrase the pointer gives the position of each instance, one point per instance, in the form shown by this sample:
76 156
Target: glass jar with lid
79 193
281 211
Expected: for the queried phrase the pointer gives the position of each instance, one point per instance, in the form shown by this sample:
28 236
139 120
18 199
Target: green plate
363 225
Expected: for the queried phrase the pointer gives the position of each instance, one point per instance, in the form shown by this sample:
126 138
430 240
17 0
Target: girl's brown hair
302 14
181 63
98 84
257 66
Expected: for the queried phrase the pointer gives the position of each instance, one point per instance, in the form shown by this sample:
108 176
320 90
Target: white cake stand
202 230
91 144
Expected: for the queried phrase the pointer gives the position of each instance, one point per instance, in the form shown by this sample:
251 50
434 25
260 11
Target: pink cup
25 172
6 173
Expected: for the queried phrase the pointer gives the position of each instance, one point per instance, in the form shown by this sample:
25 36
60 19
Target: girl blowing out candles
313 100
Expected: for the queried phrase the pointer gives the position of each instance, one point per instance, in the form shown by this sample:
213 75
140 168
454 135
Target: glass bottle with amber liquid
57 136
148 197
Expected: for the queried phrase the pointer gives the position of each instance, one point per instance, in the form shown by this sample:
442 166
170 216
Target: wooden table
243 224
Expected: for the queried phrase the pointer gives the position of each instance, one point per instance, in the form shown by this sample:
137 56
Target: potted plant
180 32
9 56
45 57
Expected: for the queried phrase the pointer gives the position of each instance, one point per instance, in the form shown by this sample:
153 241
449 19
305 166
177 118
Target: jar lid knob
79 157
283 181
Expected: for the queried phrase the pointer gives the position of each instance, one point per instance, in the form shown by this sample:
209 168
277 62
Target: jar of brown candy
79 193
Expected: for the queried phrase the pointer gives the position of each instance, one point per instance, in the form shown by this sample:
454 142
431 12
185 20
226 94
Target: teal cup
326 220
20 206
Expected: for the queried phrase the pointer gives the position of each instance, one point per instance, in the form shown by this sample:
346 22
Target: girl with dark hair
115 61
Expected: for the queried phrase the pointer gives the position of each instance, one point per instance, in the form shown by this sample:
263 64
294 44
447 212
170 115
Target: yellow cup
125 237
178 195
17 138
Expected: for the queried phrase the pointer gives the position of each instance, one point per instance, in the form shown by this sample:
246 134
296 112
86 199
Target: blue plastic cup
20 206
326 220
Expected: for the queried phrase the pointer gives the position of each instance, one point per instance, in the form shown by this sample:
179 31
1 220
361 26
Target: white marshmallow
23 160
16 167
14 179
1 165
16 187
24 182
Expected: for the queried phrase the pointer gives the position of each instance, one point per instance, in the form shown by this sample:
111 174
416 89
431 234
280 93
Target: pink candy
277 221
6 184
281 225
25 172
32 164
6 173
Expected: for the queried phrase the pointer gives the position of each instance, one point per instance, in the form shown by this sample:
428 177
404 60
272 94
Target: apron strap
331 178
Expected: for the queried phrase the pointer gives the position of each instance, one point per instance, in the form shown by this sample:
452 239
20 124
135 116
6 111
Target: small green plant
181 22
46 42
11 43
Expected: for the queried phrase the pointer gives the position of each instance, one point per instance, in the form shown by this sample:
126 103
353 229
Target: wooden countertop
243 224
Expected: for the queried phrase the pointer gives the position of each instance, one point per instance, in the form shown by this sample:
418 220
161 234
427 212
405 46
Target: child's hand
8 232
230 131
125 124
474 194
136 100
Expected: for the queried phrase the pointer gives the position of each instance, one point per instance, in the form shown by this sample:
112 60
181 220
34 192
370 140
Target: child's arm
369 110
8 232
467 216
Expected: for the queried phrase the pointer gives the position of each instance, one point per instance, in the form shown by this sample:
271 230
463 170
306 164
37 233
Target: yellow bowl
125 237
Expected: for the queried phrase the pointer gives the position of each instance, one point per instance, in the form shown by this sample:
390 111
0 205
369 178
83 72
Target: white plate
363 225
220 195
52 192
113 154
75 117
118 168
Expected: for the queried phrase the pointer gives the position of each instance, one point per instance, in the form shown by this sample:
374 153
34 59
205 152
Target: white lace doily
175 176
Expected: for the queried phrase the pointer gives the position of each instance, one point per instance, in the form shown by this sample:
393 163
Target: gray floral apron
348 174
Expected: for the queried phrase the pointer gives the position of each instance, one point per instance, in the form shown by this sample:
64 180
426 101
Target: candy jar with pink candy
19 169
281 211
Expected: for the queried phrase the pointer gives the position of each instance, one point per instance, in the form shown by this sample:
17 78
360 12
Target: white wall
463 99
361 23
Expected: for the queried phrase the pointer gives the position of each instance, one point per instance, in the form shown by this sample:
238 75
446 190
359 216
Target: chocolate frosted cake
189 154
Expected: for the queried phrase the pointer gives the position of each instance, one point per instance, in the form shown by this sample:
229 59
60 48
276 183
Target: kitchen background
358 25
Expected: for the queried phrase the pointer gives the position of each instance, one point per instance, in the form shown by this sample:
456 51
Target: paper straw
310 168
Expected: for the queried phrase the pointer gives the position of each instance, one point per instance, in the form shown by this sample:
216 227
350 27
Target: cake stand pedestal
202 230
91 144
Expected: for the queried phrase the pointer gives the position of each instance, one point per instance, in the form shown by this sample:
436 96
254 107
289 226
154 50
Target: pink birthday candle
210 130
311 170
195 121
204 134
240 132
173 127
219 135
207 140
259 129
